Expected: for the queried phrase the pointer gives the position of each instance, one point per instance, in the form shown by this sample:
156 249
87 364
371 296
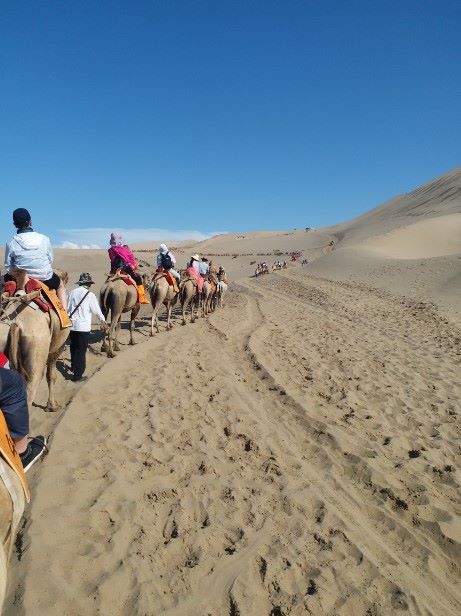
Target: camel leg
169 308
105 339
134 314
112 336
51 376
117 334
153 322
183 306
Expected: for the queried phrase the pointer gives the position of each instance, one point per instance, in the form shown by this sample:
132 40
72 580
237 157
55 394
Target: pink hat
116 240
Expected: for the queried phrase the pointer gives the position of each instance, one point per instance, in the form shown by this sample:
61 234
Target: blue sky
209 116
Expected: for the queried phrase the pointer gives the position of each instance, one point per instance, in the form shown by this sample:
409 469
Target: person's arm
133 262
49 250
95 308
173 258
8 256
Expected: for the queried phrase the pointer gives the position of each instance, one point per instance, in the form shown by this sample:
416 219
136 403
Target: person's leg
84 344
56 283
62 294
139 286
81 344
13 403
176 274
72 338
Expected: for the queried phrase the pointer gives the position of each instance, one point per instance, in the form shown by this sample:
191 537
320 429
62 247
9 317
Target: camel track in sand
257 463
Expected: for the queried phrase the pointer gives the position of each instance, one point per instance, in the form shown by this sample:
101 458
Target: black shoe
36 447
80 379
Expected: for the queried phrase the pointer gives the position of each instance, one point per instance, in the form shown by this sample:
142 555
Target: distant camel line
276 253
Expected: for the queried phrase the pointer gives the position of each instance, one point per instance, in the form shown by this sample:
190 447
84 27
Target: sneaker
35 450
80 379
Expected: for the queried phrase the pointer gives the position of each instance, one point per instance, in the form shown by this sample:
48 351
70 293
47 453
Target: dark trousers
78 346
13 403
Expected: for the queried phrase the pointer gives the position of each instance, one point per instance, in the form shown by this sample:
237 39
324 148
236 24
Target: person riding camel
204 268
213 274
166 260
32 252
122 258
193 271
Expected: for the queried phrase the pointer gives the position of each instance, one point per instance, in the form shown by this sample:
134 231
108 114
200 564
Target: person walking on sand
82 305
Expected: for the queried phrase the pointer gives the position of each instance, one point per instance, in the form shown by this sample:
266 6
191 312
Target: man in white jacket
82 305
32 252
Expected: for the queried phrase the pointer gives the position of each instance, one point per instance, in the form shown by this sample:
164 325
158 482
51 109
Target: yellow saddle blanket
54 300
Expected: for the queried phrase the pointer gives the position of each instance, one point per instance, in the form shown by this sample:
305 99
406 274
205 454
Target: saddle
43 297
119 275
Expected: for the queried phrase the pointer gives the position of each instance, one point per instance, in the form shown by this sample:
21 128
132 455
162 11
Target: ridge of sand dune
439 197
312 471
432 237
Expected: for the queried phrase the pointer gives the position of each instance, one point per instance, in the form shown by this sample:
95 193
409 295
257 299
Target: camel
206 297
162 293
33 340
118 297
12 502
220 294
188 296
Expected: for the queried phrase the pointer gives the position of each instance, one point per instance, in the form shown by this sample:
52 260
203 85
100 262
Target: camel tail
14 354
103 301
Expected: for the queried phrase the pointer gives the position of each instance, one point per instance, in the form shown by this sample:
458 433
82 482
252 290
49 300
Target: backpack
167 261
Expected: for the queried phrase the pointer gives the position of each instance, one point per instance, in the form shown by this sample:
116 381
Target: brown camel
33 340
12 501
118 297
188 297
208 297
162 293
205 298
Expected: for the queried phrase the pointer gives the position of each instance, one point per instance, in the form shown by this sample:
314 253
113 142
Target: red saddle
31 285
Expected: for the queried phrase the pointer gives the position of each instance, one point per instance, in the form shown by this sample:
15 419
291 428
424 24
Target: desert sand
296 452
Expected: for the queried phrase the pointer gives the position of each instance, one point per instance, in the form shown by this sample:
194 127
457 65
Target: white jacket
30 251
81 318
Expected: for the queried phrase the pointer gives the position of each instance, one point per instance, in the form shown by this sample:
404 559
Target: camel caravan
36 320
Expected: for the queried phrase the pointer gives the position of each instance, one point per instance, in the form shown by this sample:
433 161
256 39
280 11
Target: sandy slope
297 452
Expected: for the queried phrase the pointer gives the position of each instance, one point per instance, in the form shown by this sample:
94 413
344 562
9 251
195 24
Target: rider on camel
194 272
121 257
204 268
31 251
167 261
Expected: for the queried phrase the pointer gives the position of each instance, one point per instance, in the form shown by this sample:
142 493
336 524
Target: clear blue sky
219 115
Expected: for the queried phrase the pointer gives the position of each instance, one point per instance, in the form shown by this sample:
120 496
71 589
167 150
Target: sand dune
295 453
